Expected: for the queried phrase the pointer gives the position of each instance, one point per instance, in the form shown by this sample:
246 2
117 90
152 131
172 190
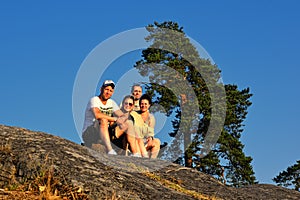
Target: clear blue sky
256 44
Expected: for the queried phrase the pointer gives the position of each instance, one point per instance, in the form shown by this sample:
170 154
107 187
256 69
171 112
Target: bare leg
130 136
121 128
154 147
142 147
104 134
137 147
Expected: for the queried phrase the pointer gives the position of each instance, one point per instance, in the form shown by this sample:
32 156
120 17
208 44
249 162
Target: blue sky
255 43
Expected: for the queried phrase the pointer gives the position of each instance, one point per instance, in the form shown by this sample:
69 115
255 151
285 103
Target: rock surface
30 159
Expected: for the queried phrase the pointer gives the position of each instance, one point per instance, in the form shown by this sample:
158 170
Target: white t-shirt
109 108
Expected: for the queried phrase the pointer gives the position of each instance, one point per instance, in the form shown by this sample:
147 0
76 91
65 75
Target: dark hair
147 97
127 97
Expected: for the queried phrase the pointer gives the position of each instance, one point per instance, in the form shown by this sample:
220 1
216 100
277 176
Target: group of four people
133 121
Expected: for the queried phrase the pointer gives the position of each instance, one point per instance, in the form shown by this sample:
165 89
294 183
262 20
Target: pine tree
289 177
207 135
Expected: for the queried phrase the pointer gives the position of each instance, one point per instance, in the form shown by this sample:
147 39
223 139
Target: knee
103 123
156 142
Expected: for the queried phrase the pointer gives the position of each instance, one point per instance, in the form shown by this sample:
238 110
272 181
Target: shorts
91 135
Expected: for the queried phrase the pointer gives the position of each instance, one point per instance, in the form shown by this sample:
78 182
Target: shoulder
94 100
151 116
111 102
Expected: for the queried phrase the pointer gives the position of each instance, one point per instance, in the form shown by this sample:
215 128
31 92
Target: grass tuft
176 185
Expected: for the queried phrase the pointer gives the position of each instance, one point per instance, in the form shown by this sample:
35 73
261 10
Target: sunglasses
130 104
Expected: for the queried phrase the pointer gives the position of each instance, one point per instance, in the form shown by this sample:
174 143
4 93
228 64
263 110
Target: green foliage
289 177
239 170
189 88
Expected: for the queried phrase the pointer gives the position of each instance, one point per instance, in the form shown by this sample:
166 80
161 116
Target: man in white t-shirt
102 109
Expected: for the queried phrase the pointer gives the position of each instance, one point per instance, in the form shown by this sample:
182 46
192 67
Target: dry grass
47 186
176 185
46 183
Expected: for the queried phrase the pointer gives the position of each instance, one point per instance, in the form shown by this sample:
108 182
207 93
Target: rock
32 160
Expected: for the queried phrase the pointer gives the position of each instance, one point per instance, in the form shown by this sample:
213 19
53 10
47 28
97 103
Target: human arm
121 117
151 125
151 122
118 113
98 115
99 111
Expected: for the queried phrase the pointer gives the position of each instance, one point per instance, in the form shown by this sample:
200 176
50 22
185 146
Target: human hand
150 141
122 119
